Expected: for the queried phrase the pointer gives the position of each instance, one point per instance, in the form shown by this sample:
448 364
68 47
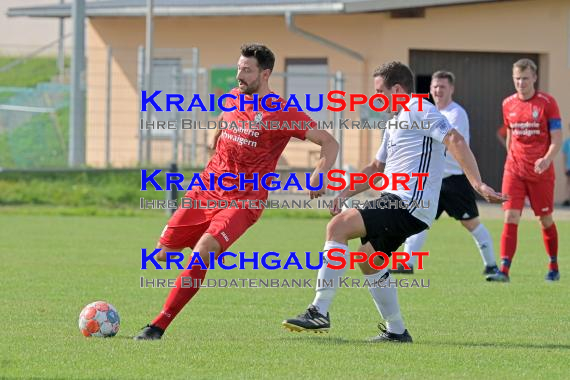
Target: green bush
106 189
101 192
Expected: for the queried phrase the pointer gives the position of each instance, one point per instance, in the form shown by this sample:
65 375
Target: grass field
29 73
462 326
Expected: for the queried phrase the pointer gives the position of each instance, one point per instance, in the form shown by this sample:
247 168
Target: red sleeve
299 123
552 111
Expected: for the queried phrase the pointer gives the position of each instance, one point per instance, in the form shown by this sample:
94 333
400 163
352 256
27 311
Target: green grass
29 73
463 327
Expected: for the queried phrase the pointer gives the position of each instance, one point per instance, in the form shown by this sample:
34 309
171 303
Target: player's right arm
375 166
458 147
505 131
329 151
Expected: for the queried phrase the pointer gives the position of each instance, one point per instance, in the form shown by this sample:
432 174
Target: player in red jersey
534 137
237 150
502 135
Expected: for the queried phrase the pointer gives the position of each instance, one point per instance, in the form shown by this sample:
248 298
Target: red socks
550 237
508 246
180 295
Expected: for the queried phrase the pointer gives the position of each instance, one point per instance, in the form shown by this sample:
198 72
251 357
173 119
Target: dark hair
441 74
265 57
396 73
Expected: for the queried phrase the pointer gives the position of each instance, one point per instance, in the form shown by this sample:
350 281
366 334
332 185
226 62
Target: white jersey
417 150
458 119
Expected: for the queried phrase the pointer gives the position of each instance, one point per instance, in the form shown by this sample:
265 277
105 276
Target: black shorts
457 198
388 228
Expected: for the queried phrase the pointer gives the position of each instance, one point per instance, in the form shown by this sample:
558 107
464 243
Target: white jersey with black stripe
417 149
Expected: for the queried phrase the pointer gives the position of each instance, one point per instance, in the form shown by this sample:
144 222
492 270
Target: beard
249 88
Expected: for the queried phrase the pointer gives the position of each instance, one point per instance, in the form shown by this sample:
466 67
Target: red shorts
187 226
540 194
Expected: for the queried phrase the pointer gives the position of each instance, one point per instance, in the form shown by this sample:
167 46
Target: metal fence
33 111
34 121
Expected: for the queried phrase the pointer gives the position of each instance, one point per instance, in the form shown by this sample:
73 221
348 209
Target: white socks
480 235
325 295
386 300
485 244
415 243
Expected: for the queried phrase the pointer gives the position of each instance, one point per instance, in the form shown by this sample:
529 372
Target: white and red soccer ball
99 319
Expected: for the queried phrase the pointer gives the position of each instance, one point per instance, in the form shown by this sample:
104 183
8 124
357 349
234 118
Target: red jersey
248 148
528 121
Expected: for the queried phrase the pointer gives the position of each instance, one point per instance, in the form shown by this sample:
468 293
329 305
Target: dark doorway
483 80
423 83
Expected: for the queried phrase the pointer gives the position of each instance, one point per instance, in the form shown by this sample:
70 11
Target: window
166 77
308 76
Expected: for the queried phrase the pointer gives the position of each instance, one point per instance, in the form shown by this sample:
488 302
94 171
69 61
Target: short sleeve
382 154
553 115
552 111
298 123
460 121
439 127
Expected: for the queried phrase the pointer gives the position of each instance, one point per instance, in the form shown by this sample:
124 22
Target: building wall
494 27
19 35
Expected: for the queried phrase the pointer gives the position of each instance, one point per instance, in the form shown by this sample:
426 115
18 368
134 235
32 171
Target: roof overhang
180 11
165 8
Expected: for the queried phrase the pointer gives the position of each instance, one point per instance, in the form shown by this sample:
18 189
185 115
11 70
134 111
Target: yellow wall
521 26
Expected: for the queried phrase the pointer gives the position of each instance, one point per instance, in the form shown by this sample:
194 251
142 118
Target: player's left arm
460 150
329 150
555 128
212 146
440 130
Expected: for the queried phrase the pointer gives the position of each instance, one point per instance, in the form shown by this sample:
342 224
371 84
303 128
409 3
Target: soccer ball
99 319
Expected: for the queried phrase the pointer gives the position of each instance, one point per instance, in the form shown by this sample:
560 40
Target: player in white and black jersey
456 198
385 229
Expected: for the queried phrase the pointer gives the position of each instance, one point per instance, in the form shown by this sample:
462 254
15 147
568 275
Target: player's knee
163 253
335 228
161 256
204 254
546 220
512 217
367 269
471 224
207 245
